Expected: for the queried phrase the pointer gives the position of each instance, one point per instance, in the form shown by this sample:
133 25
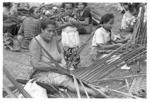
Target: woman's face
36 13
109 24
81 6
68 9
48 32
134 12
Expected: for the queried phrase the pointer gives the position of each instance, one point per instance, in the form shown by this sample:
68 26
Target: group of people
40 34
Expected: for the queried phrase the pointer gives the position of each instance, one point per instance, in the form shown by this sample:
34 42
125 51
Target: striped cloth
30 28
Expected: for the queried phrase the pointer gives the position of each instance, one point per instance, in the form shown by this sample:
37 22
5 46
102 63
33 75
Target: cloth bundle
70 37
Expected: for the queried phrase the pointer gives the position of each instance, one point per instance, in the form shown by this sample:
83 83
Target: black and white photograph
89 50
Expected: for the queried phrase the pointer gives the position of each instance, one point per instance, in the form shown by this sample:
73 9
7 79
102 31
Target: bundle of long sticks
139 34
101 61
140 27
89 75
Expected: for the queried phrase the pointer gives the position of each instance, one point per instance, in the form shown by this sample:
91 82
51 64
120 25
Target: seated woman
102 39
84 18
68 15
70 37
30 27
43 64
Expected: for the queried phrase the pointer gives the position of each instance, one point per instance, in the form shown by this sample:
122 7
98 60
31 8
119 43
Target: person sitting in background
124 7
102 39
43 64
128 21
70 42
70 39
84 18
11 24
68 16
10 19
6 8
29 28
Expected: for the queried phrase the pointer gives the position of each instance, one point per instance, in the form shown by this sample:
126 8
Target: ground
18 62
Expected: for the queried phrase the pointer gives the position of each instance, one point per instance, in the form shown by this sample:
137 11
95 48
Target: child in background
102 37
69 38
124 7
84 18
128 22
70 42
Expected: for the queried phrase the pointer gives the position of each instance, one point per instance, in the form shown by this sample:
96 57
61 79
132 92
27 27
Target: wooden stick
9 92
17 85
104 73
132 85
101 61
101 92
123 93
84 89
119 78
123 87
127 84
77 86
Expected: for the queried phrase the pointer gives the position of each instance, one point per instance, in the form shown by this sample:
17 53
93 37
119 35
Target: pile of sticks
103 68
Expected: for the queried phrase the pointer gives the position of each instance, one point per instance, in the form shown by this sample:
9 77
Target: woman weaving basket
43 64
102 42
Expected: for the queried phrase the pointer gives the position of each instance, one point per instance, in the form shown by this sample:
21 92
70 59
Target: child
84 18
70 43
128 22
68 12
124 7
102 37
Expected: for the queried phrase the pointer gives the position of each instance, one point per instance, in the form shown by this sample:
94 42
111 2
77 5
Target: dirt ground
18 62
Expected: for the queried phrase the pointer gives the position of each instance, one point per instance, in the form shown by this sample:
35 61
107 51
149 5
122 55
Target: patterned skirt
71 57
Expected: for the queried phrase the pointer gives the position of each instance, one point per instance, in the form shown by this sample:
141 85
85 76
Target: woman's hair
45 22
106 18
134 6
7 4
63 4
85 4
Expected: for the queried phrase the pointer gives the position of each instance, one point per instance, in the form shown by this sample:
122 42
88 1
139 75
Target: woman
43 64
84 18
70 38
102 39
68 15
70 42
